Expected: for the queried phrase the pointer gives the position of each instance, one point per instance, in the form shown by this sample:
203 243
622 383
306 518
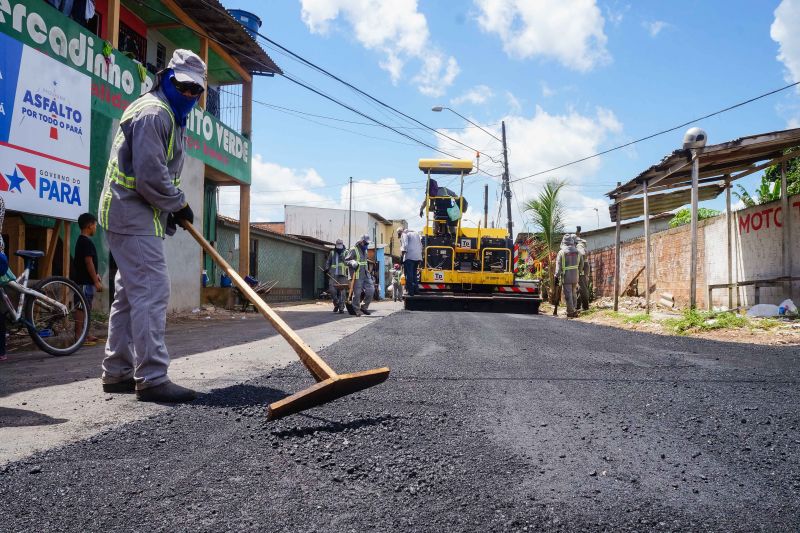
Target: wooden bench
757 284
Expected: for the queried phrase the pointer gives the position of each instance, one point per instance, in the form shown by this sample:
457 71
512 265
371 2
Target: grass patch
694 320
765 323
638 318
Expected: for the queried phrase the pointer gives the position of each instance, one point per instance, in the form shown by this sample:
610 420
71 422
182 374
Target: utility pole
350 216
486 206
507 185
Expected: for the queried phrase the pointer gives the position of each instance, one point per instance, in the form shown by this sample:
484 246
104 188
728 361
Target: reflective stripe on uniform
115 175
359 261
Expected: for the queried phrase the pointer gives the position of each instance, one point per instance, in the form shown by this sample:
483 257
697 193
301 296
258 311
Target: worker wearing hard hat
356 259
568 264
336 268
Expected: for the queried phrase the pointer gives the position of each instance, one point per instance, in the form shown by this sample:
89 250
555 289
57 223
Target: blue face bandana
181 105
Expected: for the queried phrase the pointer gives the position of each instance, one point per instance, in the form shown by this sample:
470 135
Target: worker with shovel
357 261
336 269
140 204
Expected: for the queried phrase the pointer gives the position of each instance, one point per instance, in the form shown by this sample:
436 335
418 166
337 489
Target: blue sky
569 78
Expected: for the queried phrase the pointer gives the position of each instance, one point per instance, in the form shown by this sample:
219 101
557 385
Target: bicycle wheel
54 331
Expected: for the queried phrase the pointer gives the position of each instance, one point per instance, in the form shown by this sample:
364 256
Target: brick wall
669 265
757 254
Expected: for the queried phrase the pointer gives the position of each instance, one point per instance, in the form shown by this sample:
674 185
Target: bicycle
54 312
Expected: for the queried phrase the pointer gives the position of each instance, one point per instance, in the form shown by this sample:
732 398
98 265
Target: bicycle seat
30 254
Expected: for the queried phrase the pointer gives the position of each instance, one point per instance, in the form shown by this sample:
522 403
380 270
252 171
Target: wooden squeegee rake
330 385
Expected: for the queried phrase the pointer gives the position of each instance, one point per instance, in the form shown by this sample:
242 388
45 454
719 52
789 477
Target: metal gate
308 276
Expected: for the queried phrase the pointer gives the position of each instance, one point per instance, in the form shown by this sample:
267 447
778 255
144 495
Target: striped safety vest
115 175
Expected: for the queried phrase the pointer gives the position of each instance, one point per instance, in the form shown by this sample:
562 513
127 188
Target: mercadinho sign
117 81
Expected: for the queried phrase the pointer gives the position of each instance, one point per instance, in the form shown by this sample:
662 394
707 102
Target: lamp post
597 212
506 182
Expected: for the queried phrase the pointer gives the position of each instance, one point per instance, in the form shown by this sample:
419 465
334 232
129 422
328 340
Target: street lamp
506 184
597 211
440 108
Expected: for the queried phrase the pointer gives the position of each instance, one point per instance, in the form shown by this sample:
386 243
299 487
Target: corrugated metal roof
231 34
272 234
716 161
662 203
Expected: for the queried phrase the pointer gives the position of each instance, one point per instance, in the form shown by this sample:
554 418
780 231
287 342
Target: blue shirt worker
336 268
357 261
140 204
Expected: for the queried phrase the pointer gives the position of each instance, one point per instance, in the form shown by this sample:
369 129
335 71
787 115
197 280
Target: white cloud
615 14
784 32
514 105
275 186
477 95
570 31
655 27
397 29
547 140
547 91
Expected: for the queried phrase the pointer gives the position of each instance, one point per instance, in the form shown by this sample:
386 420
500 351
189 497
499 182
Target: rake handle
308 356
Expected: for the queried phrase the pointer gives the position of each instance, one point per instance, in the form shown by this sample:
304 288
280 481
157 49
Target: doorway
308 276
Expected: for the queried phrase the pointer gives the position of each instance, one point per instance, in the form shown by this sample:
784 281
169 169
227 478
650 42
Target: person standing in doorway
411 249
84 272
142 202
336 268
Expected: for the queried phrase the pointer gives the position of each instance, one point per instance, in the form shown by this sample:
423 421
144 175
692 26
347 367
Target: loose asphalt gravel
489 422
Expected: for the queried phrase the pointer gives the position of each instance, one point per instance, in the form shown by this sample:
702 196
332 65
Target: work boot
335 308
366 312
167 392
129 385
341 310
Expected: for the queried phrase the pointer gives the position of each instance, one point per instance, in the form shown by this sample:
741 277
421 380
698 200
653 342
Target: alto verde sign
117 80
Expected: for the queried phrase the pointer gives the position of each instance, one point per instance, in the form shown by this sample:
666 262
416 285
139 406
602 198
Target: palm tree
547 214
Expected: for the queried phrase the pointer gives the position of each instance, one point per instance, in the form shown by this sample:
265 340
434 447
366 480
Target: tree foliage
547 214
684 216
769 189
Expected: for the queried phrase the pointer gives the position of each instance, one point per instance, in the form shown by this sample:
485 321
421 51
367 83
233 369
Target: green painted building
291 262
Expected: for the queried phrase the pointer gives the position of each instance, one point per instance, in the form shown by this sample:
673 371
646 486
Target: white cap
188 67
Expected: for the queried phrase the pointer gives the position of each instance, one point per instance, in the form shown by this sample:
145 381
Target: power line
662 132
346 83
297 111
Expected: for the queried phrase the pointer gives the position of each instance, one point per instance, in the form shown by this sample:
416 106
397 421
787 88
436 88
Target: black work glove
185 213
172 226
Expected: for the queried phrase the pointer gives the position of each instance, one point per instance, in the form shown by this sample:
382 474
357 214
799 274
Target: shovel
349 303
330 385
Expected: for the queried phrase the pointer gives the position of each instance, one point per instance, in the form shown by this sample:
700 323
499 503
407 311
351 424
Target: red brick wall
669 263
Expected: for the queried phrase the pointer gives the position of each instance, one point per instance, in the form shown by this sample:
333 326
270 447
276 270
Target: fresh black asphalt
489 422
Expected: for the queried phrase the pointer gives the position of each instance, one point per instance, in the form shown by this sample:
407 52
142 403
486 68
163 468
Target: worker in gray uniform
336 268
583 272
357 261
142 202
567 268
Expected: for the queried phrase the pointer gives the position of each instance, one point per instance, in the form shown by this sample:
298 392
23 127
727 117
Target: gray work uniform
397 287
337 268
363 279
141 189
583 278
567 265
